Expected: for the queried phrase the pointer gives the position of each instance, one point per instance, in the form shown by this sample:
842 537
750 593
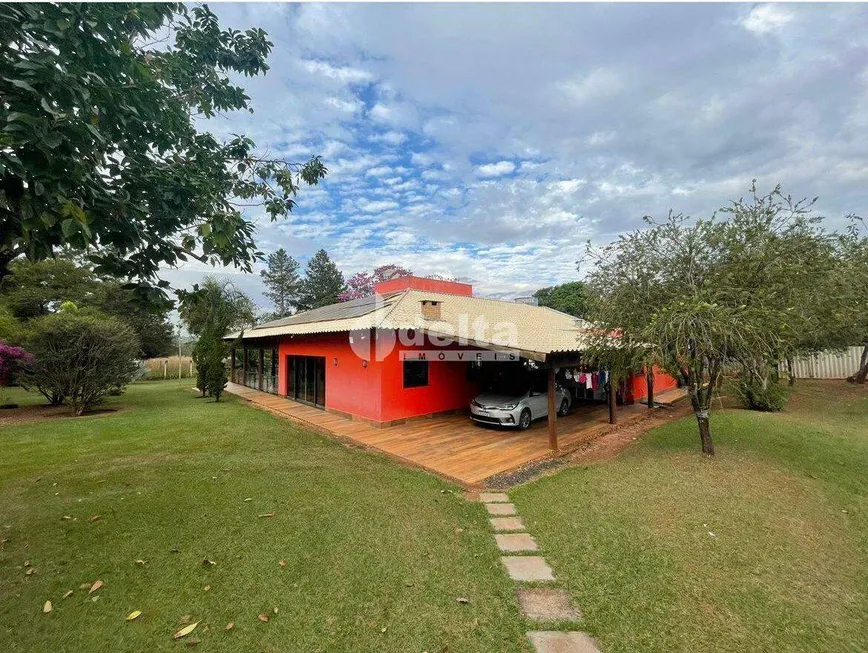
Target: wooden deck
452 445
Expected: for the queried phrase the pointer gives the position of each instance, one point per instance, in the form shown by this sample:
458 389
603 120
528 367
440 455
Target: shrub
13 361
81 357
209 354
769 398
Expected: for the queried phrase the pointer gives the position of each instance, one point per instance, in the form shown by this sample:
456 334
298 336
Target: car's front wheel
524 420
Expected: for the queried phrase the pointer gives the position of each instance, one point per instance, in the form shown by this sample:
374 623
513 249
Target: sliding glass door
306 379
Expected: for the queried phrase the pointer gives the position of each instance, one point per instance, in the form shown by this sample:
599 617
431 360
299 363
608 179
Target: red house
417 347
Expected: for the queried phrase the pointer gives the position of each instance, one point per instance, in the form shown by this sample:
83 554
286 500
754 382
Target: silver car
516 410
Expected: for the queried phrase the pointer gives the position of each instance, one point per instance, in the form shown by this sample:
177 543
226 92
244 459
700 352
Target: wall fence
835 364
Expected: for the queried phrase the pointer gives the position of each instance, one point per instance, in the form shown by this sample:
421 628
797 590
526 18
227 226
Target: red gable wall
423 283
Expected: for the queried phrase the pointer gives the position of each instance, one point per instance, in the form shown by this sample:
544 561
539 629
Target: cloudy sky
490 142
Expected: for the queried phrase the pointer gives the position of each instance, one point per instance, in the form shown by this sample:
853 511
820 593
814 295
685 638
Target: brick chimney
430 309
423 283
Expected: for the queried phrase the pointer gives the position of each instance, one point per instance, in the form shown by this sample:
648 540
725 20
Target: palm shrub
80 357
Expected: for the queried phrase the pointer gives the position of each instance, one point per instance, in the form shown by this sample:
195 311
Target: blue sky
490 142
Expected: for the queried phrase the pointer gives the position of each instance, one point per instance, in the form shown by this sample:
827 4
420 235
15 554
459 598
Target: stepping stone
510 542
494 497
527 568
507 523
544 604
552 641
500 509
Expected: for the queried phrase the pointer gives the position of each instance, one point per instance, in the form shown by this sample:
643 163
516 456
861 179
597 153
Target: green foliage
210 312
99 146
570 298
80 357
746 289
39 288
282 282
322 284
11 330
769 397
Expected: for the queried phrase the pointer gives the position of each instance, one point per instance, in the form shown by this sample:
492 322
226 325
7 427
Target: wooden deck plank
450 445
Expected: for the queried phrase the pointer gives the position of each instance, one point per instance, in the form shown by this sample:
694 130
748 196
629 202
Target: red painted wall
376 392
423 283
447 389
637 386
350 388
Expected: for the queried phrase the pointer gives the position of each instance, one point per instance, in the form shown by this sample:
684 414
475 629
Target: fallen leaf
186 630
27 563
275 610
66 517
283 563
187 618
47 607
141 563
193 641
249 499
208 563
97 585
267 514
83 586
230 625
461 599
95 598
384 629
207 588
175 549
93 518
263 617
459 530
68 594
29 571
135 614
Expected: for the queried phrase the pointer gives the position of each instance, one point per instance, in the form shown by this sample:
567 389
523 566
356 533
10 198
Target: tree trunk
862 374
649 379
791 375
705 433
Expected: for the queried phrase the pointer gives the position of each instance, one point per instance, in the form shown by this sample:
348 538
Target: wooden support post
231 365
244 366
649 379
261 366
553 416
613 415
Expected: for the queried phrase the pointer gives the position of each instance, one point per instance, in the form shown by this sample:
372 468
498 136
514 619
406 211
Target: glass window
415 374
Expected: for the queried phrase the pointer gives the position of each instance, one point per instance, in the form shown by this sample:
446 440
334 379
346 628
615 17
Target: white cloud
598 84
390 138
376 206
379 171
343 74
763 19
348 106
496 169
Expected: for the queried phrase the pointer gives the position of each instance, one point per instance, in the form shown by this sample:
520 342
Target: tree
322 284
361 284
34 289
570 298
852 278
283 283
210 312
702 295
80 357
13 361
101 147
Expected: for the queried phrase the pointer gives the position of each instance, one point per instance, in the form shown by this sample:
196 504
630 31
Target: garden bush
769 398
80 357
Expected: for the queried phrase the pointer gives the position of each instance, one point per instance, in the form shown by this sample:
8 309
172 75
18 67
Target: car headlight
509 406
475 404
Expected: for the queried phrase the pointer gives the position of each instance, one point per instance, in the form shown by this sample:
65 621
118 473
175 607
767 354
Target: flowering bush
361 284
12 360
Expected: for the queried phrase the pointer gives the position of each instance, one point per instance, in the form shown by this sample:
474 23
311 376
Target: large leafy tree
741 289
361 284
101 148
570 298
323 282
35 289
283 282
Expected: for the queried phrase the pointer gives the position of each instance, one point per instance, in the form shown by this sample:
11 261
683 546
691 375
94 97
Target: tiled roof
489 323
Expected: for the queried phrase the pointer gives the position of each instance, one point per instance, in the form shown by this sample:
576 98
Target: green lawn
376 554
786 499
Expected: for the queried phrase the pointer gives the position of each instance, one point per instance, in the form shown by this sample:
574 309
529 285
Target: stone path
541 604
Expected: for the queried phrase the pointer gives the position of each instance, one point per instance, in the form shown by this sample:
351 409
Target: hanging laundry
595 381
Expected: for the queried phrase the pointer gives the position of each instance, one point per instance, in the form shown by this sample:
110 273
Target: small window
415 374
